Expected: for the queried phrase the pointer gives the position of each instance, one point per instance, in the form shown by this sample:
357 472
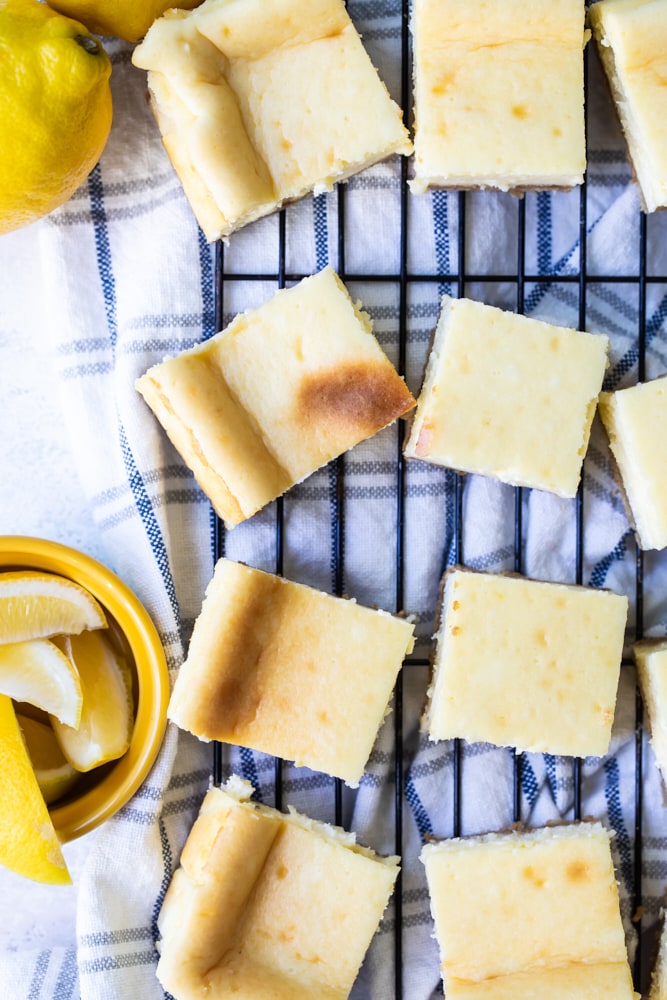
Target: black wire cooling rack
517 278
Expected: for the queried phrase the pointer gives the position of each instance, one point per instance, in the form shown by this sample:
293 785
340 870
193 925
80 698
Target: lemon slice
105 727
29 844
39 673
37 605
55 775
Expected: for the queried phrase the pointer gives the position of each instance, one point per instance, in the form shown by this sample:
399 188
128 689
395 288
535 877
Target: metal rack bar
453 277
637 896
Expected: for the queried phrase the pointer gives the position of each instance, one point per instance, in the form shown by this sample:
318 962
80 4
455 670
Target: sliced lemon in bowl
29 844
36 605
55 775
105 728
38 672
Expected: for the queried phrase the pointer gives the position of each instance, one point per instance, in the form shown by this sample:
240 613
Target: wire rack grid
487 246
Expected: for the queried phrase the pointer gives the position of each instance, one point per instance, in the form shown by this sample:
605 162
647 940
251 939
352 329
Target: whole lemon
55 109
128 19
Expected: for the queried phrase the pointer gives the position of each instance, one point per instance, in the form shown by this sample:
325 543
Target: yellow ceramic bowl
103 791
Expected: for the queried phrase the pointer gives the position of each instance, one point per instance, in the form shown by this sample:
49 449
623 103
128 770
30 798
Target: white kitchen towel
129 279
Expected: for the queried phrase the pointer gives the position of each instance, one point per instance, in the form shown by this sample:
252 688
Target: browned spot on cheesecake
577 871
236 671
532 876
360 396
425 439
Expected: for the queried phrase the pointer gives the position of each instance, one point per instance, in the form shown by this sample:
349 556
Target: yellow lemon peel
55 109
29 844
126 19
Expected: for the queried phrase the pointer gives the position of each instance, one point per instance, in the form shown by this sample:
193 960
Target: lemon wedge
29 844
37 605
105 728
55 775
40 673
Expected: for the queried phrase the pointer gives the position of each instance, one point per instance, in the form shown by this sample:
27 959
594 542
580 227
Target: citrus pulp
36 605
39 673
105 729
54 774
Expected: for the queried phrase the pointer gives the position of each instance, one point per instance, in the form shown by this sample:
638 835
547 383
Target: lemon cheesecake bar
529 913
508 396
651 659
658 981
283 390
289 670
499 94
526 664
260 102
268 905
631 418
631 36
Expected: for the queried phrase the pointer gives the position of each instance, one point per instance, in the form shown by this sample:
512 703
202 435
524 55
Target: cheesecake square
508 396
260 102
631 418
658 983
289 670
498 94
631 37
250 911
650 657
526 664
283 390
529 913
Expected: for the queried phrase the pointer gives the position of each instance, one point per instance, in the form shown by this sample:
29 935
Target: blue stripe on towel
617 554
137 486
544 232
167 868
103 250
67 976
529 784
440 204
321 233
612 794
417 809
207 289
321 228
552 778
628 361
249 771
41 966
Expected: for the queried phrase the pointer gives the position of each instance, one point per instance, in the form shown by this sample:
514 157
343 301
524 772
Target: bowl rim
84 813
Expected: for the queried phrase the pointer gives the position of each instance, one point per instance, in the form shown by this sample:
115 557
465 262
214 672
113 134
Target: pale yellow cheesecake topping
632 418
499 94
508 396
529 914
632 41
262 101
526 664
289 670
285 388
268 905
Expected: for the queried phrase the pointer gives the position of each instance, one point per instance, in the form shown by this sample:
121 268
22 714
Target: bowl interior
103 791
